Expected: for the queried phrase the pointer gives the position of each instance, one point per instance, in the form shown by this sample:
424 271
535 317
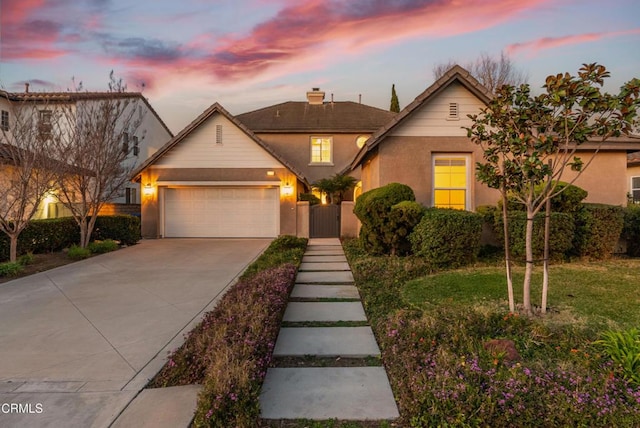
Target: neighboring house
319 138
216 178
633 177
150 136
426 148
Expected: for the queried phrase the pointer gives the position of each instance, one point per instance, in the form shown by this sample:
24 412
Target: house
216 178
633 177
320 138
150 135
240 176
426 148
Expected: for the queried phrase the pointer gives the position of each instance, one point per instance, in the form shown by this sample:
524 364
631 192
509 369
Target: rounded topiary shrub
373 209
403 218
447 237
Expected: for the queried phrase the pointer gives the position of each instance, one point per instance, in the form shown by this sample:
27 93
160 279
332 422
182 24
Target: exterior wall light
271 173
287 190
148 189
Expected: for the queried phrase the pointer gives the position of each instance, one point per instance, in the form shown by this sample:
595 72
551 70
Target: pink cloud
554 42
325 30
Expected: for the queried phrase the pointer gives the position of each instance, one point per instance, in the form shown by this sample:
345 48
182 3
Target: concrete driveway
77 343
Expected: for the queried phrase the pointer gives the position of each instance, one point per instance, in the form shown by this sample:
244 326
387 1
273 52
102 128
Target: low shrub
447 237
284 249
373 209
631 230
403 218
26 259
78 253
122 228
597 230
10 268
101 247
561 234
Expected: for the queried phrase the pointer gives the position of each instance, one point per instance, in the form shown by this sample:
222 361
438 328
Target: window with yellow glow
450 182
321 149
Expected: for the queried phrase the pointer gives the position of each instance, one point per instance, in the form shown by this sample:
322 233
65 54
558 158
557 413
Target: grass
432 327
577 291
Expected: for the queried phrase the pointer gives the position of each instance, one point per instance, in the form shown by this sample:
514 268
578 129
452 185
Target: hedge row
631 230
43 236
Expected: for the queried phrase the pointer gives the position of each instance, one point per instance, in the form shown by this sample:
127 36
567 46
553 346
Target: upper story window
454 111
44 123
136 146
125 142
4 123
321 150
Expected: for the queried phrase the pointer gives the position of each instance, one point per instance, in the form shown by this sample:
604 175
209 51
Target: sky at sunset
246 54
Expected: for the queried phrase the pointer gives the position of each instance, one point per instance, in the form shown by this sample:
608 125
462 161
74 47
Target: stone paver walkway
325 298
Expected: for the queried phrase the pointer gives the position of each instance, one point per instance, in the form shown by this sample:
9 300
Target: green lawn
602 294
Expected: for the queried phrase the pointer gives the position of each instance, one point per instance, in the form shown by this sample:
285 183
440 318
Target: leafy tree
490 71
27 169
335 187
531 141
395 104
96 149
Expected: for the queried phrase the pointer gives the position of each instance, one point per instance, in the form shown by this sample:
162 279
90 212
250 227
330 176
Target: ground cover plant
434 329
230 350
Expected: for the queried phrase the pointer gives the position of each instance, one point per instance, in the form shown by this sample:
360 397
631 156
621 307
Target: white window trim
468 188
327 163
631 188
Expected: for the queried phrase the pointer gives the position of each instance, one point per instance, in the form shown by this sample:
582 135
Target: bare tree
492 72
96 149
27 172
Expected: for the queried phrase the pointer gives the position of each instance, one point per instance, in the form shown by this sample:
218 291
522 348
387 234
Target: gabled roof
302 117
633 159
215 108
73 97
454 74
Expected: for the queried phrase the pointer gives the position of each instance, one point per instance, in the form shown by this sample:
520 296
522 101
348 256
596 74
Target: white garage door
215 212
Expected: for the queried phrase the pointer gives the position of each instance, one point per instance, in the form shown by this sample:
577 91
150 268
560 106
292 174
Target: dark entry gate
324 221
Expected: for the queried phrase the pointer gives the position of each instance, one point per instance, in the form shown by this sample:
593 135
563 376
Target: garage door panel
221 212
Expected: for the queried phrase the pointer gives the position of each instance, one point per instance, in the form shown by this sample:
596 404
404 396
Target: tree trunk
84 235
13 247
526 287
545 271
507 252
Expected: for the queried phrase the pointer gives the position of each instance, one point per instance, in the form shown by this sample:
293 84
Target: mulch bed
41 263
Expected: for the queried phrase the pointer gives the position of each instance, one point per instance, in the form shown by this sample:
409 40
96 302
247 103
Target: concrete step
323 259
318 291
344 277
319 267
324 248
324 311
318 393
336 252
324 241
347 342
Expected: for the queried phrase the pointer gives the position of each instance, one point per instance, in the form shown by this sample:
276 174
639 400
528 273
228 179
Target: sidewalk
325 319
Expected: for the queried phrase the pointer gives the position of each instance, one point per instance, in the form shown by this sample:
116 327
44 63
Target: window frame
633 189
468 183
328 138
45 123
4 120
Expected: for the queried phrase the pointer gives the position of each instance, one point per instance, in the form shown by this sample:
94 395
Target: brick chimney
315 96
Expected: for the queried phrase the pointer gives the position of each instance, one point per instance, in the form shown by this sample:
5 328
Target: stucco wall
605 179
296 149
632 171
409 160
